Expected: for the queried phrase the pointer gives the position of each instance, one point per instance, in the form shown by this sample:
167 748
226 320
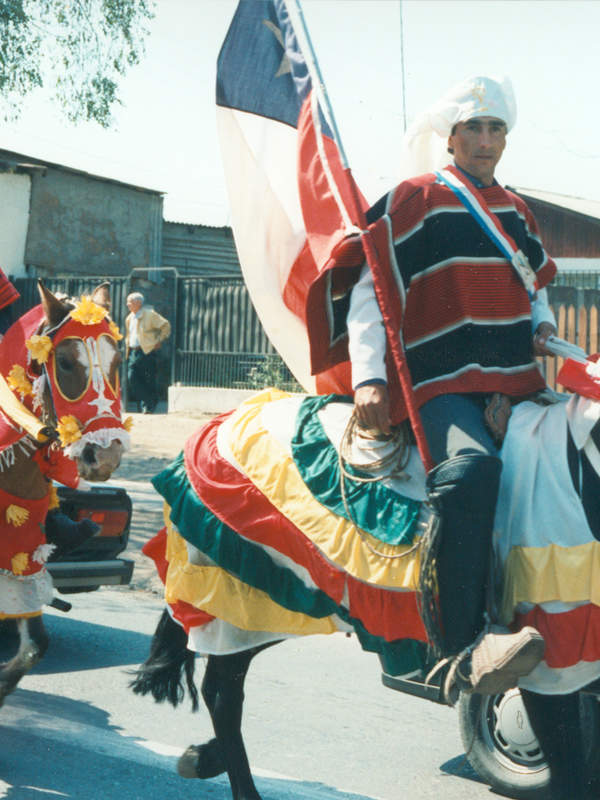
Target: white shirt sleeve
366 332
541 311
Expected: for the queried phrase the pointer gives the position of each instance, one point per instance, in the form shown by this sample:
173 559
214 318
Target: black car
93 562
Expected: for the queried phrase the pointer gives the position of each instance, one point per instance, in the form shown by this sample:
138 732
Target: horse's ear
54 310
101 295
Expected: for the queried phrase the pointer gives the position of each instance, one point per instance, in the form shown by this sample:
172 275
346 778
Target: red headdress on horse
28 361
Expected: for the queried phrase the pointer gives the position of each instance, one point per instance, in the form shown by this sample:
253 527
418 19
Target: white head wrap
424 147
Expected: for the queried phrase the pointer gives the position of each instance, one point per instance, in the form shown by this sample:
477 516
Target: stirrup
454 682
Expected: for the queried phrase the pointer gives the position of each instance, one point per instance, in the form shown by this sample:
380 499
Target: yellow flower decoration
87 312
18 381
16 515
19 563
53 501
40 347
128 423
68 430
114 329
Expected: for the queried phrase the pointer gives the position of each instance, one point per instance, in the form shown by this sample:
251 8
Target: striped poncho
464 315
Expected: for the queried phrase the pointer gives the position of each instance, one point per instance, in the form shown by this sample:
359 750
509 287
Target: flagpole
393 335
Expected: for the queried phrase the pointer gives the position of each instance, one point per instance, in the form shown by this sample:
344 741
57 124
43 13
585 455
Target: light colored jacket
152 329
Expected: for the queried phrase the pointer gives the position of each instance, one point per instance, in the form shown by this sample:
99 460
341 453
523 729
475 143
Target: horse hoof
201 761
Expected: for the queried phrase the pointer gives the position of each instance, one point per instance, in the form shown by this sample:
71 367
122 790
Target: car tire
502 748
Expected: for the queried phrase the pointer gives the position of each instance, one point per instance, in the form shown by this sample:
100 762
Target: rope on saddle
393 463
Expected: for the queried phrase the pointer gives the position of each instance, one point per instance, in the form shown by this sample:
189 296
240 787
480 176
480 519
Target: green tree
78 50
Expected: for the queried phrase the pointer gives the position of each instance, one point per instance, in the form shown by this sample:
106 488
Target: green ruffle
385 514
252 565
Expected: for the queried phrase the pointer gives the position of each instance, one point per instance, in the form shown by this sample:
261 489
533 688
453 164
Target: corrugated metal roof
591 208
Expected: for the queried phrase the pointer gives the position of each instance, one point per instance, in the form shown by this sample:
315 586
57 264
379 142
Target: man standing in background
145 331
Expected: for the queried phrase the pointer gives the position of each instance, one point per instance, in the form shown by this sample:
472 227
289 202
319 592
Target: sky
165 136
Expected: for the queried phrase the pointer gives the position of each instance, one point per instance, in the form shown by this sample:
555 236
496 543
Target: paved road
318 723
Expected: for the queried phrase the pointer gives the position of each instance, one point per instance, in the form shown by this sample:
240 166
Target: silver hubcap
506 728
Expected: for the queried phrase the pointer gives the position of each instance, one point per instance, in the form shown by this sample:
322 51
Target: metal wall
217 315
200 250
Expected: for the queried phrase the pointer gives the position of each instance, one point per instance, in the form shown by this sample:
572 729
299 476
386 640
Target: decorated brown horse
281 523
60 419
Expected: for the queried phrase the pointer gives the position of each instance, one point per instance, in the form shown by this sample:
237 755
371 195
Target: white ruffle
102 437
39 386
42 553
25 594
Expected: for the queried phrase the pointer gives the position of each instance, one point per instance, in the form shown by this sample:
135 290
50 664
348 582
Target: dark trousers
141 378
464 488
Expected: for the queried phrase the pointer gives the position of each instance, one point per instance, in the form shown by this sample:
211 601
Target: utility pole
402 66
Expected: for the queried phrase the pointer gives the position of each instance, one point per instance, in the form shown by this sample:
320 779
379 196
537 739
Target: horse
60 419
274 527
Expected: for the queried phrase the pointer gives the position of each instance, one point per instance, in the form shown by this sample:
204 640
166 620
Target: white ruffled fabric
22 595
103 438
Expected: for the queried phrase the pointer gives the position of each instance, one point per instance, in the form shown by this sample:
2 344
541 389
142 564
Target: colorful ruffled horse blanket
261 543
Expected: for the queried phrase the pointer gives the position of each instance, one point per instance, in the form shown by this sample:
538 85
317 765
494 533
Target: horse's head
76 359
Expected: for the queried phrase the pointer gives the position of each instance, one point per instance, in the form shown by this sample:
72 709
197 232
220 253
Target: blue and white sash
491 225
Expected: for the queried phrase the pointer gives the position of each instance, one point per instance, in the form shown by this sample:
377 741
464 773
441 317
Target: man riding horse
469 311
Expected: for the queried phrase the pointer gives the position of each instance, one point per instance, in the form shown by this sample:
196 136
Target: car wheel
502 748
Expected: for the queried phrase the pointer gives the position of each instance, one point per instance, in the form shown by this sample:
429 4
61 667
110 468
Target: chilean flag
290 195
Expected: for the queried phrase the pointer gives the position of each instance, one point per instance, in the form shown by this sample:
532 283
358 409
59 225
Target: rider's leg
464 488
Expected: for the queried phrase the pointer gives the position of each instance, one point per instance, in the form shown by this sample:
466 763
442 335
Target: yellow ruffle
16 515
87 312
19 563
40 347
18 380
53 498
544 574
68 429
215 591
272 470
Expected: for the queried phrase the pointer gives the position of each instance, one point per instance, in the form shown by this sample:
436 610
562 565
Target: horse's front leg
33 643
223 693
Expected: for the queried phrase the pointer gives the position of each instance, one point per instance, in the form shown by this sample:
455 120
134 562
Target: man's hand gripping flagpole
356 213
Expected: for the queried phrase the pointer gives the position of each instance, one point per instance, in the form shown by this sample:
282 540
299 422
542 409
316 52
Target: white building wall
15 193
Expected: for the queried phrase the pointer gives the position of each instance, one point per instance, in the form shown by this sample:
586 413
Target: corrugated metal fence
218 340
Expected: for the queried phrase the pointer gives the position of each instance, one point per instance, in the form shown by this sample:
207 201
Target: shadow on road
459 767
77 645
58 747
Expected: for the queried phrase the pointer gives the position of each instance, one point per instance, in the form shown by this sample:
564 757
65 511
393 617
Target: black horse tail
162 674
